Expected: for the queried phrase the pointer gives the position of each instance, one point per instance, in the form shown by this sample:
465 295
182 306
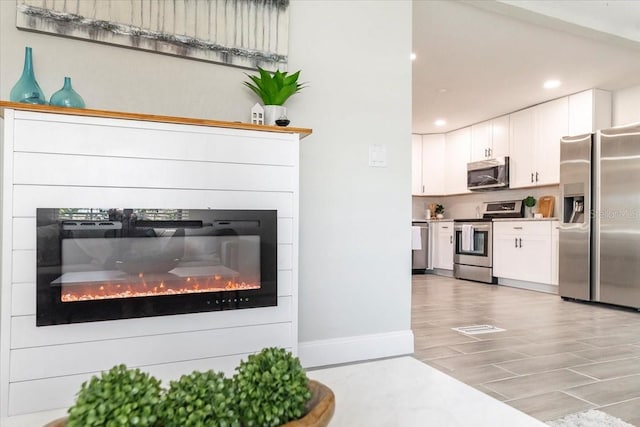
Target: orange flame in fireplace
150 287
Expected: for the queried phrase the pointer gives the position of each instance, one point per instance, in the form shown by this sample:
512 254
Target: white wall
626 106
354 220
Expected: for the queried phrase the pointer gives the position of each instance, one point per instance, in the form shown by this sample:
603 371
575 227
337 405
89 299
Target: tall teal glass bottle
27 89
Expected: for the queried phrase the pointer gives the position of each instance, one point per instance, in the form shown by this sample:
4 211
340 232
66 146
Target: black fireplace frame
50 310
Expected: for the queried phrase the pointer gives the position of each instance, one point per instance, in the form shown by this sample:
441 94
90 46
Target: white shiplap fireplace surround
73 158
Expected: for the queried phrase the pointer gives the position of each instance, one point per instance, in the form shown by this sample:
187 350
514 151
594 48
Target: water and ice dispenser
573 204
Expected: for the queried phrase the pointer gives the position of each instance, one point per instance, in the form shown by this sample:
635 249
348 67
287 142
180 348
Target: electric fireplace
106 264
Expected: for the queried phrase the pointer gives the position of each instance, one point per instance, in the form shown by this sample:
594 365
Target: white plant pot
273 113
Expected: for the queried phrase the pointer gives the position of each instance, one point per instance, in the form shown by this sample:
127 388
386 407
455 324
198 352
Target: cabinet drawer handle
536 176
517 228
444 226
520 241
531 176
515 240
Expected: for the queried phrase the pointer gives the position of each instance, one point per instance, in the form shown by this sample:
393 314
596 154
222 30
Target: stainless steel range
473 250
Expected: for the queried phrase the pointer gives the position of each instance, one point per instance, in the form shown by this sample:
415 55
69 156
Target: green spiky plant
120 397
276 88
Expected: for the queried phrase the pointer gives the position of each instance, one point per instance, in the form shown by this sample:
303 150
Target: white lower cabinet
524 250
443 245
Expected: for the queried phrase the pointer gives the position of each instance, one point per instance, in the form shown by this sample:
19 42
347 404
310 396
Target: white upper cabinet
534 143
589 111
552 124
427 166
457 155
521 149
433 167
416 165
480 141
490 139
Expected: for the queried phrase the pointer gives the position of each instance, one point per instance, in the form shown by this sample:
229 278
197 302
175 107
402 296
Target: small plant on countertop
530 201
439 209
120 397
272 388
200 399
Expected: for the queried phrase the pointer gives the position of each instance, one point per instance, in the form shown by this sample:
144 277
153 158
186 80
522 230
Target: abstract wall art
243 33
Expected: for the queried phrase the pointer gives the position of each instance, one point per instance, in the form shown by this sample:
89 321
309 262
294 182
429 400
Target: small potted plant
529 203
274 89
439 211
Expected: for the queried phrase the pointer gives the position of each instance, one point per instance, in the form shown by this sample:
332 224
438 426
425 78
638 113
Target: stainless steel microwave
487 175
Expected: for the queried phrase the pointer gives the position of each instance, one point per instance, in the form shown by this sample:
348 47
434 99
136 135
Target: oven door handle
483 227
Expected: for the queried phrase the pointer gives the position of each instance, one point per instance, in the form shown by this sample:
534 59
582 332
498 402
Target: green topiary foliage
272 388
200 399
119 397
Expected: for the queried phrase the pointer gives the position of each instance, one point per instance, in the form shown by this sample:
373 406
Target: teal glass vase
27 89
67 97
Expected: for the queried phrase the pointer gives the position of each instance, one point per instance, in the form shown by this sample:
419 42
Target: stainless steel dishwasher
421 258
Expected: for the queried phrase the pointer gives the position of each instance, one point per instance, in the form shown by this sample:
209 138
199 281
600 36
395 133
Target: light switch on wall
378 155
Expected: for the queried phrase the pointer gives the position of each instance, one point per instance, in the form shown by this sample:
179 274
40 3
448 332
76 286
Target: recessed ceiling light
440 122
413 56
443 90
551 84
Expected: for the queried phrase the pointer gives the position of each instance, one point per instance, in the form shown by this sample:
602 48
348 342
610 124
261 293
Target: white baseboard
531 286
442 272
355 349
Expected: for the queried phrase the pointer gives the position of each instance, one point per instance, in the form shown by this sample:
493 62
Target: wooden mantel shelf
150 118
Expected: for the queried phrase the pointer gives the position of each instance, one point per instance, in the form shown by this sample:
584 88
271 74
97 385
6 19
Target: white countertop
406 392
422 220
527 219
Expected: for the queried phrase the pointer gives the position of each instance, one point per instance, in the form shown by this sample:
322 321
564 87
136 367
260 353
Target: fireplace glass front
106 264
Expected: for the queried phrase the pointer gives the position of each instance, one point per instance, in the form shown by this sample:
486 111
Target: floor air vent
478 329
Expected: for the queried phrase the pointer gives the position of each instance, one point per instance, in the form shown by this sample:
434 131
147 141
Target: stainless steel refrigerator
600 224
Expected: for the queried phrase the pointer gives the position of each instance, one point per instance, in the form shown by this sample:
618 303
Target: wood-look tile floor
554 358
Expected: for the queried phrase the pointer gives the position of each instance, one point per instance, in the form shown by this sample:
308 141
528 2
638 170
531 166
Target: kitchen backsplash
469 205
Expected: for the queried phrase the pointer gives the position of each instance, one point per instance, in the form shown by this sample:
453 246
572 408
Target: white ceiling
481 59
